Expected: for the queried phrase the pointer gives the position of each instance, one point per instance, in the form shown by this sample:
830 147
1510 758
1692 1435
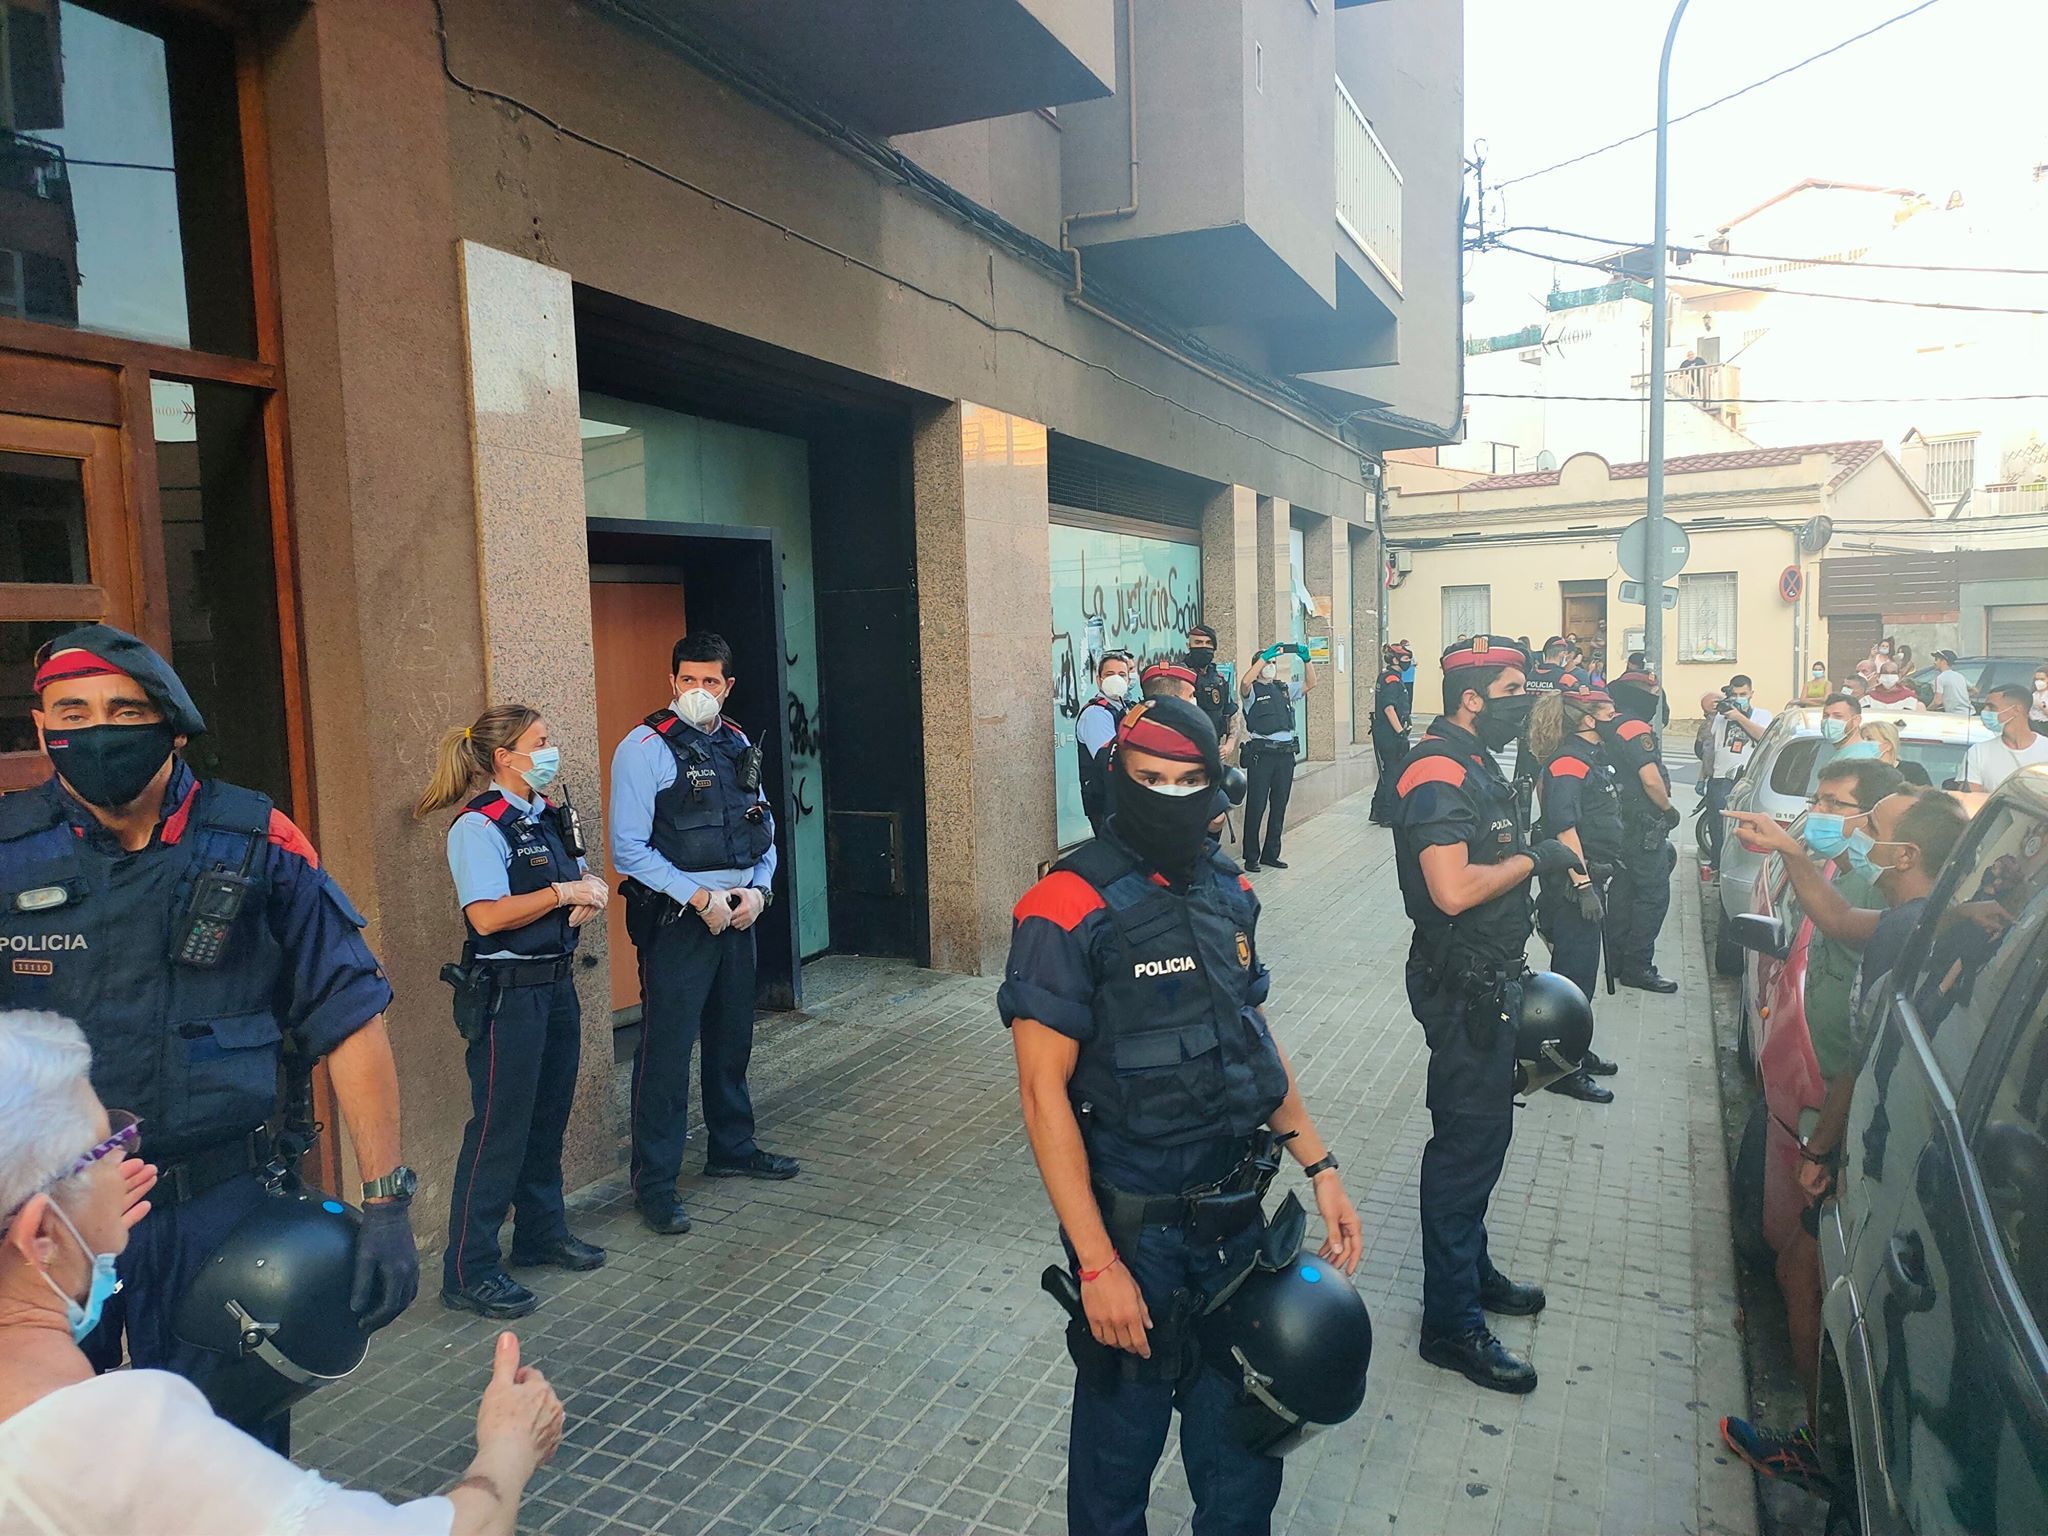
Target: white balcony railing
1368 189
1714 387
2002 500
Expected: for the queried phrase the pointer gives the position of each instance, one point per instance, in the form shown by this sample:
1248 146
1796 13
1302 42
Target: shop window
1466 611
1706 617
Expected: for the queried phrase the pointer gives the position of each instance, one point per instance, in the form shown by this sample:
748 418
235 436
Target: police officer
1150 1084
1545 674
1268 753
693 834
525 890
1465 870
1095 733
1390 719
1640 894
190 929
1581 808
1212 688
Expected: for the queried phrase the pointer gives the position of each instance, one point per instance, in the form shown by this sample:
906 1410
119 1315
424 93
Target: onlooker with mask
1882 735
140 1450
1841 715
1816 689
1891 689
1990 763
1951 693
1856 687
1877 661
1911 834
2040 706
1739 724
1095 730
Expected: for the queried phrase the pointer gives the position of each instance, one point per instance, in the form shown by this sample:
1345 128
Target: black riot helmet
1553 1028
273 1298
1295 1342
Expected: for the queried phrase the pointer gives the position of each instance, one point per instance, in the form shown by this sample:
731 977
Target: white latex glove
752 904
578 916
591 891
716 914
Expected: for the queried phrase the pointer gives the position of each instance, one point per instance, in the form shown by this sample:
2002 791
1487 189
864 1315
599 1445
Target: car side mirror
1760 933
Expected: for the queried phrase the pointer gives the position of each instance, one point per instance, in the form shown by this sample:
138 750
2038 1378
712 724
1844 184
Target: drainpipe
1131 198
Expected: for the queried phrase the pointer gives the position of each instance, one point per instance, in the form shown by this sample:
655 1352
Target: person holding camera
1739 724
693 835
525 889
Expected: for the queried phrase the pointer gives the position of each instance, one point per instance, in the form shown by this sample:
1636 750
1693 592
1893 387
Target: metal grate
1093 479
1951 467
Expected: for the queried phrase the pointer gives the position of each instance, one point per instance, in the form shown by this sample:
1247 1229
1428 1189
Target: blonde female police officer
524 889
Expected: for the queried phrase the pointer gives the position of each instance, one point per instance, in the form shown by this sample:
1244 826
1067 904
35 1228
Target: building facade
382 358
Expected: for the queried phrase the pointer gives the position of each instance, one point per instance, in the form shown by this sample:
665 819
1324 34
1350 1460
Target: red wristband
1087 1275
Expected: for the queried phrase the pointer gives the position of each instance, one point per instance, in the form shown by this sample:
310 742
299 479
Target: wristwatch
1323 1164
767 894
398 1184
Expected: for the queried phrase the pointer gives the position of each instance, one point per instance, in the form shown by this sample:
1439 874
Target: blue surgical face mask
1833 730
1858 846
546 763
84 1316
1824 834
1859 751
1991 720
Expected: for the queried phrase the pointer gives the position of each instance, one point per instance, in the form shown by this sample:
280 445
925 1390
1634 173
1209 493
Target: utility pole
1655 541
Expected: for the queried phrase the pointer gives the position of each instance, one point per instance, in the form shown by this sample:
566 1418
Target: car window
1939 760
2010 1147
1994 918
1792 770
2015 672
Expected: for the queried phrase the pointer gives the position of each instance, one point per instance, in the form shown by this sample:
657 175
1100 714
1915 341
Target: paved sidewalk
866 1349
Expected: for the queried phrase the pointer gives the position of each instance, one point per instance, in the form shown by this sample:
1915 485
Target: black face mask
1169 832
1610 730
1201 658
1500 724
109 765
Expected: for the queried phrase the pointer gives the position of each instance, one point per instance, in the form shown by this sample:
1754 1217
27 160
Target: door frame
629 541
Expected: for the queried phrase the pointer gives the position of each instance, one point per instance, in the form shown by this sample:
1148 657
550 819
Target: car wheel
1746 1193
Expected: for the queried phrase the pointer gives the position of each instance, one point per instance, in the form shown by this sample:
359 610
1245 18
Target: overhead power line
1802 261
1719 100
1714 400
1797 293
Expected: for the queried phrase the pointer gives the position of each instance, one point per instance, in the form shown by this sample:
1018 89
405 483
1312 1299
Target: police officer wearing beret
1152 1091
1212 688
1640 896
1465 873
190 930
695 838
1390 720
525 890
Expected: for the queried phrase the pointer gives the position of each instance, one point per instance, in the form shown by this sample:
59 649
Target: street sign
1677 549
1632 592
1791 583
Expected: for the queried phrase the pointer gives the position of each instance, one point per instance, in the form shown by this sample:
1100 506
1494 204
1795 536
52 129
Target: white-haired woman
135 1450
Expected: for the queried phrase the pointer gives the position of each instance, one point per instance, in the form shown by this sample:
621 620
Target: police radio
201 939
569 824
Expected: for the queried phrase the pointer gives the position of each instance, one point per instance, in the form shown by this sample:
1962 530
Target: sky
1951 97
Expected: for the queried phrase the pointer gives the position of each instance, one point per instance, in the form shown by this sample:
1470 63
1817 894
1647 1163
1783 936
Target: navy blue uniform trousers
1119 1425
1269 782
1471 1098
1391 748
162 1256
693 983
1575 942
522 1078
1638 898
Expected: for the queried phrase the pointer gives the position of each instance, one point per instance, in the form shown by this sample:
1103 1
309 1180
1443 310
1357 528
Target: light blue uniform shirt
642 768
481 860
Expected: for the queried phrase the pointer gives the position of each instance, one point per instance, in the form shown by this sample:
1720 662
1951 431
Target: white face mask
1115 686
1888 679
699 706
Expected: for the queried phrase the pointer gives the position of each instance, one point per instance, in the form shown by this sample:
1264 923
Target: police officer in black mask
1212 688
1156 1100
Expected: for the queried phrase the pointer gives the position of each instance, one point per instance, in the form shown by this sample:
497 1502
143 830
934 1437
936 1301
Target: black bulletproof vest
1212 695
195 1052
1268 712
1179 1055
1094 766
1390 694
540 857
1599 824
1495 931
700 821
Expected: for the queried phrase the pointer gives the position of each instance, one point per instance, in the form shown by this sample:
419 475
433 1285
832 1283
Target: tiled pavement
866 1349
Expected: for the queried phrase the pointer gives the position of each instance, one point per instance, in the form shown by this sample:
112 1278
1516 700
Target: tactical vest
540 857
1390 694
1636 807
1268 712
1212 695
195 1052
700 821
1179 1055
1599 824
1496 931
1094 766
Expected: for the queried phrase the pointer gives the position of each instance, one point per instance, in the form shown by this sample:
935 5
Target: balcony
1715 388
2008 499
901 66
1369 189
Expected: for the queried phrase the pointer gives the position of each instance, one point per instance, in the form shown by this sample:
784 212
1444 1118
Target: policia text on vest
1156 1101
189 930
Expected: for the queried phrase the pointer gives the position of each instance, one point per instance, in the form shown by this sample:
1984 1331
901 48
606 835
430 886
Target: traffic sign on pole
1674 550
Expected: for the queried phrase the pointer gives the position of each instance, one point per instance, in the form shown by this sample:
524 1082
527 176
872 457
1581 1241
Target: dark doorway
730 581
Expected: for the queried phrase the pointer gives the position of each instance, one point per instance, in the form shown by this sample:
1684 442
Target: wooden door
634 626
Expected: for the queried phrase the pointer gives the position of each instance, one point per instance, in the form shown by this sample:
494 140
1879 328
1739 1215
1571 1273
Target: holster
475 994
647 910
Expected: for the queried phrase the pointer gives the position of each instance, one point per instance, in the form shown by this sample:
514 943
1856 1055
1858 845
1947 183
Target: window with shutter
1706 617
1467 611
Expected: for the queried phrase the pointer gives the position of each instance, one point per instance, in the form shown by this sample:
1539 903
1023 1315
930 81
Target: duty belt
193 1175
528 973
1213 1213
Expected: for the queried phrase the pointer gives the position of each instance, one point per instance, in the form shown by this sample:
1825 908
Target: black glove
1671 817
1590 905
387 1264
1554 858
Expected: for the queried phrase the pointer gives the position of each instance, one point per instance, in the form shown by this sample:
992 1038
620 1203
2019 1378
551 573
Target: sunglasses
126 1132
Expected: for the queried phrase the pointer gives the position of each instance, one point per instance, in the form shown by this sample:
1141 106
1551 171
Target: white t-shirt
1951 694
1735 748
141 1453
1990 763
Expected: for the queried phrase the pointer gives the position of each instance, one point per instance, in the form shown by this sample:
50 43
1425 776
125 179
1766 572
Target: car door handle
1907 1260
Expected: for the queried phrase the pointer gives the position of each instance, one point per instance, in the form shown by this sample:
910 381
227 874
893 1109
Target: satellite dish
1813 538
1546 460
